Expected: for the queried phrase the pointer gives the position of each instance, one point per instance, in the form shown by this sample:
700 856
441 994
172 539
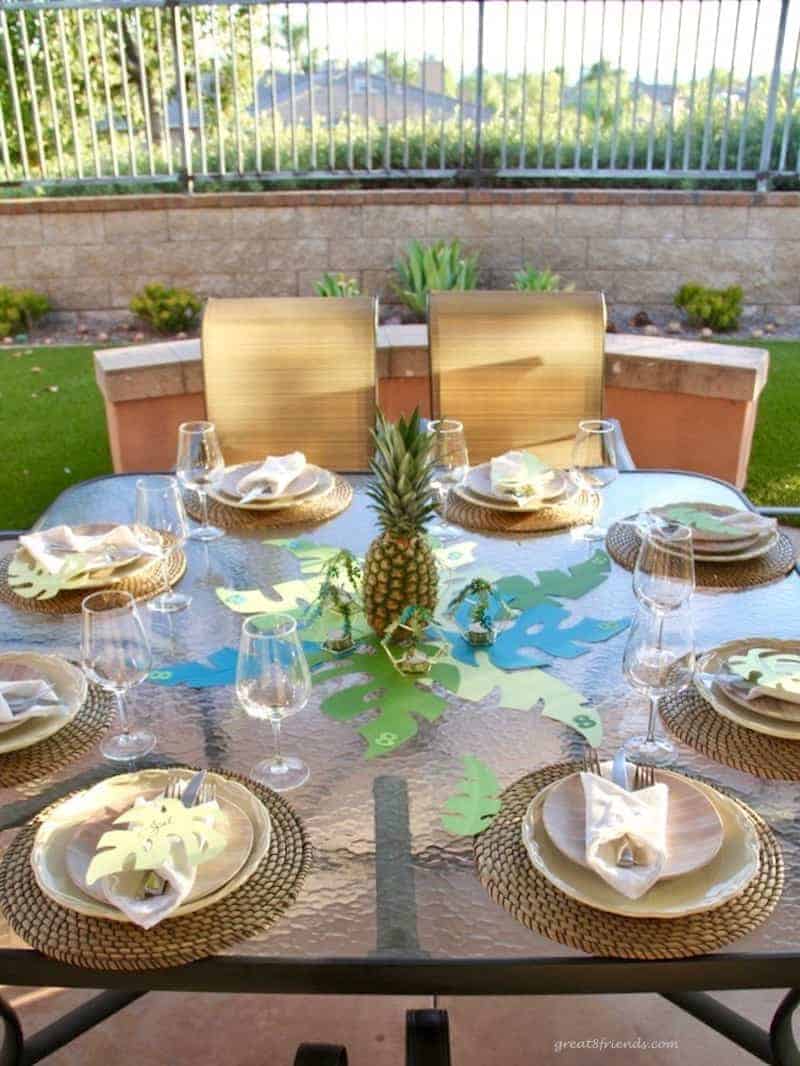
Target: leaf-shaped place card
474 804
772 671
697 518
33 582
289 596
154 827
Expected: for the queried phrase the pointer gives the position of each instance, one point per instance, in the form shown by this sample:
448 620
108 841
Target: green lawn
49 440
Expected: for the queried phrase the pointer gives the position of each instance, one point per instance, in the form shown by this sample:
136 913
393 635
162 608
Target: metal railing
184 90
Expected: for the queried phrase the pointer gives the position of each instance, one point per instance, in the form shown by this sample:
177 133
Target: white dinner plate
300 486
467 494
66 680
712 662
324 483
725 877
479 480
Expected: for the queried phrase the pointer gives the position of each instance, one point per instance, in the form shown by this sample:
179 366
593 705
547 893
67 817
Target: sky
722 32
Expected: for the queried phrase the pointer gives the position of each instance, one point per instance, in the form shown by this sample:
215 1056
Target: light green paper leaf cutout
455 555
768 668
290 596
569 584
522 689
155 826
31 582
474 804
697 519
311 556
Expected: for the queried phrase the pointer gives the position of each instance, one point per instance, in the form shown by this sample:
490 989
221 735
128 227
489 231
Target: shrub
529 279
20 309
720 309
438 267
336 285
167 310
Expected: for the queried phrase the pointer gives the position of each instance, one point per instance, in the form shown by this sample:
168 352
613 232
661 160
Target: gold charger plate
479 481
304 483
66 680
324 483
694 827
711 663
718 881
48 855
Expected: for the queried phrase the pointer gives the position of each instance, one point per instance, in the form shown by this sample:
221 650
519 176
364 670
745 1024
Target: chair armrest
778 512
624 457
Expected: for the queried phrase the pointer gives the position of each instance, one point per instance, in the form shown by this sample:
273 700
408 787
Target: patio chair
283 370
519 369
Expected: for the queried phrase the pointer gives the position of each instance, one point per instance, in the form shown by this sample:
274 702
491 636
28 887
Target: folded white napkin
274 475
51 548
178 873
746 522
16 697
519 476
613 814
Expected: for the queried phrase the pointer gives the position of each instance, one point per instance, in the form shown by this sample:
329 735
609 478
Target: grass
48 440
774 474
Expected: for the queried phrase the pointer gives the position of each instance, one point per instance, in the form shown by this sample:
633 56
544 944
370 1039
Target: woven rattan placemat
623 545
106 945
142 586
693 721
75 738
316 509
511 880
580 510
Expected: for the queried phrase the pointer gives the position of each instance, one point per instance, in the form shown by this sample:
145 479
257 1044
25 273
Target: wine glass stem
651 722
165 573
276 736
204 502
122 712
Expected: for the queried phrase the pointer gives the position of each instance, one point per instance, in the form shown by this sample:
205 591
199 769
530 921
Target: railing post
479 97
186 177
763 176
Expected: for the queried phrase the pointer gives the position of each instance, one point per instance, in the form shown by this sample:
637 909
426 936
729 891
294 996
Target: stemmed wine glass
450 462
594 463
663 577
115 653
200 464
659 657
159 507
273 681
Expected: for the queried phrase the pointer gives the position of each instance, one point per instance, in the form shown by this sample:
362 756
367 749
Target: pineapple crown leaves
402 467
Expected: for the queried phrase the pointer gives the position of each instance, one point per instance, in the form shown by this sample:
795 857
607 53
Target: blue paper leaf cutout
218 669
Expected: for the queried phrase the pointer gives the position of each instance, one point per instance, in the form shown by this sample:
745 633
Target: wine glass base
281 776
656 752
126 746
206 533
169 602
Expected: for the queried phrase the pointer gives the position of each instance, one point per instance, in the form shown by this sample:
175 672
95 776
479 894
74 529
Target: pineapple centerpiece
400 569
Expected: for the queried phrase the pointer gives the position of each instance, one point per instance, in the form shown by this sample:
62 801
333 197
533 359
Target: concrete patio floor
182 1030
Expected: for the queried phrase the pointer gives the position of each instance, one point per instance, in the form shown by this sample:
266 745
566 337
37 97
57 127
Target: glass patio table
393 903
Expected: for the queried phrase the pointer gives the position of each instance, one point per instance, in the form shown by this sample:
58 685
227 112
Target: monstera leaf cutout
155 827
697 518
769 669
569 584
311 556
218 669
474 804
32 582
396 700
289 597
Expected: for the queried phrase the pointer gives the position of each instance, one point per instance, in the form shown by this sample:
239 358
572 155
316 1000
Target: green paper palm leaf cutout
32 582
474 804
154 829
697 519
768 668
397 701
569 584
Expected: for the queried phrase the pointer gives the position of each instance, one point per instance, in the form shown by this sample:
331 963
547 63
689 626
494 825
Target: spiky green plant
529 279
400 569
438 267
336 285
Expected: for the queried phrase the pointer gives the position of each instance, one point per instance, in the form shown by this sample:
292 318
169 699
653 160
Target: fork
591 761
643 777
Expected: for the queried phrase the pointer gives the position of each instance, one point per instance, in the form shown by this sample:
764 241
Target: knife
619 775
153 884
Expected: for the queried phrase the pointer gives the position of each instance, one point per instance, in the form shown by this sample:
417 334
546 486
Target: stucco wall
637 246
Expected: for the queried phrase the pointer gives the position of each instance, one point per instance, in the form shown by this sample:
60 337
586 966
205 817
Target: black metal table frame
683 982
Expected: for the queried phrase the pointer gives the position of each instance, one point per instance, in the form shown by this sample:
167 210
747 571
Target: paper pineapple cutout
155 827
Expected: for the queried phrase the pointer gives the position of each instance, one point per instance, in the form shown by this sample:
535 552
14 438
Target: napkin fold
518 476
274 475
52 548
178 873
28 699
612 814
746 522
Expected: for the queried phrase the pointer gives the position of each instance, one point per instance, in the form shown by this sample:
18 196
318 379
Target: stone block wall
92 254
